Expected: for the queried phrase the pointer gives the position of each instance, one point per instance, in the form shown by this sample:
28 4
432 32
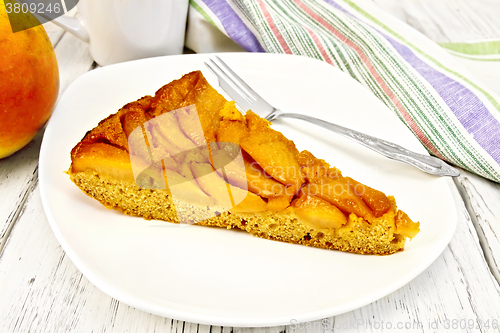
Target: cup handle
73 26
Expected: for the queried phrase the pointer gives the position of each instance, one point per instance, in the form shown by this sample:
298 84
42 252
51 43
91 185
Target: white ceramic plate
221 277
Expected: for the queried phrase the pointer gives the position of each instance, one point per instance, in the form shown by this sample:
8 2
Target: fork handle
426 163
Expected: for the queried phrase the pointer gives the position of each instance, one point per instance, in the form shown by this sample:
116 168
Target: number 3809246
39 8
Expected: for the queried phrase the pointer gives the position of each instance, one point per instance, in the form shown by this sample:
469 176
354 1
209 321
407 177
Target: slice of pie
186 155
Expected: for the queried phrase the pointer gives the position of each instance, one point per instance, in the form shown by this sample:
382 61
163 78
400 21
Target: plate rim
186 315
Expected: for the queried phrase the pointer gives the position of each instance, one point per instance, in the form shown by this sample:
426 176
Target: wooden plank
482 199
17 176
448 20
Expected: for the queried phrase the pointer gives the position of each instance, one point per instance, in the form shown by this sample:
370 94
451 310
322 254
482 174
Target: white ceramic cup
122 30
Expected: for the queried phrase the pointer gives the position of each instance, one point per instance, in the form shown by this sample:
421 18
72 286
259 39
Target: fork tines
227 76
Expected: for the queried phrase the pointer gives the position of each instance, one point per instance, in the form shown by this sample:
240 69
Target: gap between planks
27 191
179 326
483 241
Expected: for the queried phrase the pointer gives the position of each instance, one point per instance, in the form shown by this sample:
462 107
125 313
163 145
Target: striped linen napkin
485 50
453 116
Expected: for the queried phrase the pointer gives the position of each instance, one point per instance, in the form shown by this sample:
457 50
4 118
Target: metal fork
247 98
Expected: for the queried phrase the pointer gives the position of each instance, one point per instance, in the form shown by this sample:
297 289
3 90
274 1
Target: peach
29 81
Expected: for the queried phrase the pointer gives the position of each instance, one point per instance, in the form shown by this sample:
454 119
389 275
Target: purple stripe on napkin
465 105
232 23
336 5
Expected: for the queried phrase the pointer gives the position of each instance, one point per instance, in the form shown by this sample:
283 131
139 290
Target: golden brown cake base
357 236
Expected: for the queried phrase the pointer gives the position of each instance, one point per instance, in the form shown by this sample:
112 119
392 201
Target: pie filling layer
186 155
